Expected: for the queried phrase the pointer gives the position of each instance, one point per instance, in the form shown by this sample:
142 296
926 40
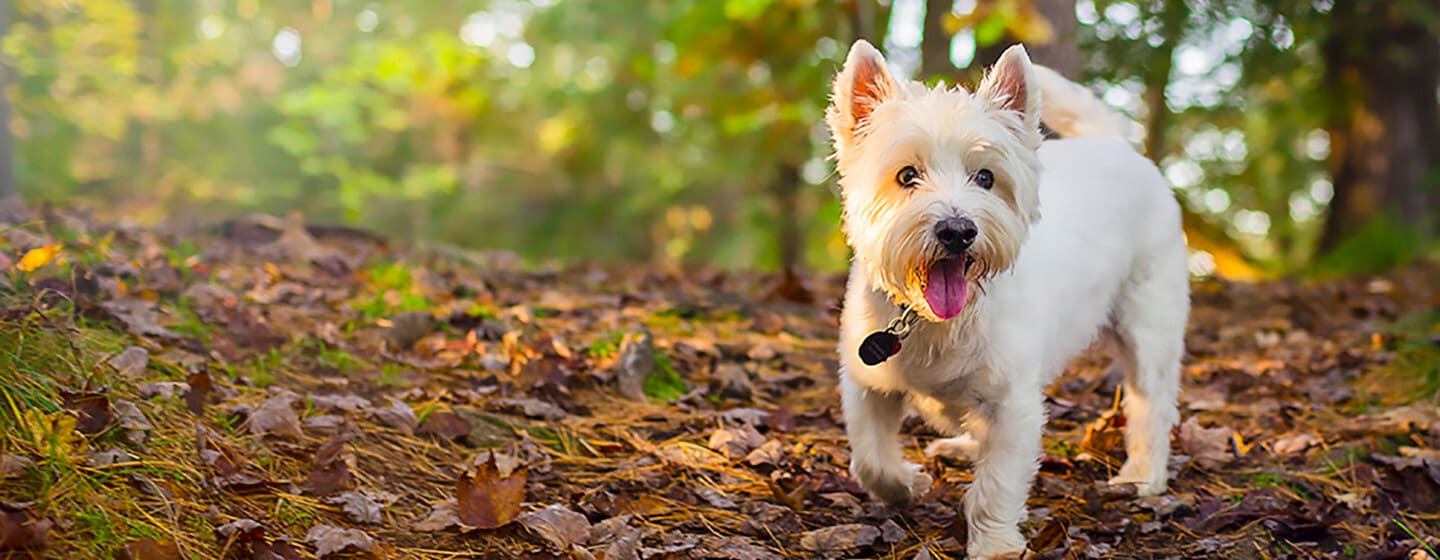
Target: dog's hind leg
872 420
1149 338
963 447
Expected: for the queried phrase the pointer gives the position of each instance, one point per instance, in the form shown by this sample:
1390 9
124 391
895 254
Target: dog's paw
962 448
1012 555
1142 488
1146 483
898 487
997 543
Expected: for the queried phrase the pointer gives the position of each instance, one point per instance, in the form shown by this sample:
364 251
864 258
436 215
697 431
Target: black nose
956 234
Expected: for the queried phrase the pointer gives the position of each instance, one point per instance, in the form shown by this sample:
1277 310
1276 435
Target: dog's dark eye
907 177
984 179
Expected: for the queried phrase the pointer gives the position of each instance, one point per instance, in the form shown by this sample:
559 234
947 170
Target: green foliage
615 131
390 375
391 290
664 384
606 347
1418 355
1424 543
498 123
1380 245
1267 479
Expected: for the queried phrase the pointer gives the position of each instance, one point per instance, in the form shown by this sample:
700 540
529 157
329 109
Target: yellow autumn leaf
1028 25
52 433
37 257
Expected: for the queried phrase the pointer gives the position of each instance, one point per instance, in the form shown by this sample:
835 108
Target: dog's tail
1071 110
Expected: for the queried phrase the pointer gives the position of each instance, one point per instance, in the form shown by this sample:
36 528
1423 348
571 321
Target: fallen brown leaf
487 500
398 415
131 362
12 466
445 425
276 417
533 408
330 469
21 529
442 516
199 386
363 506
329 540
140 317
92 408
164 389
558 526
1209 447
736 442
129 417
840 538
151 549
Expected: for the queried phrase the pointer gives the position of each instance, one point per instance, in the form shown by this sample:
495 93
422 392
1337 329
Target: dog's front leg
872 420
1008 461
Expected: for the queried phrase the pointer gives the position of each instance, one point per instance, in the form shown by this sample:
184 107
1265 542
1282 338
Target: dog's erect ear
1011 85
862 85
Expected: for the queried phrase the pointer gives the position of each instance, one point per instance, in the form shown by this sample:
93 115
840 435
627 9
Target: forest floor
267 390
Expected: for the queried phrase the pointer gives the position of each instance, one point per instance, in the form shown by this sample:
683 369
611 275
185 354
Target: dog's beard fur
879 126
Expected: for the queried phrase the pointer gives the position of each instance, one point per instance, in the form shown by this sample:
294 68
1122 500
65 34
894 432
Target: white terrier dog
1017 254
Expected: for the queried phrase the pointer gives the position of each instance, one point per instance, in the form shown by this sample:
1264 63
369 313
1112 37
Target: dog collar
880 345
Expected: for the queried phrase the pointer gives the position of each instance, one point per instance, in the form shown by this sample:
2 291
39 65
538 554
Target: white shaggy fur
1079 240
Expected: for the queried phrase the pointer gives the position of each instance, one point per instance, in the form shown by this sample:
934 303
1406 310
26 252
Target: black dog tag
878 347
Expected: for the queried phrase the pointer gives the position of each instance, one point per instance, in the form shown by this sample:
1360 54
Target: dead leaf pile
278 389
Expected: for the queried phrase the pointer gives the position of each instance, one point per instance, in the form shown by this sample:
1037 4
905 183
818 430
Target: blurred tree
935 43
689 130
1383 68
7 155
1045 27
1062 51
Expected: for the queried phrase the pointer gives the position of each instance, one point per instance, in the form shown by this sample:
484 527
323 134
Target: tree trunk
1385 129
791 285
935 43
7 151
788 234
1157 79
868 20
1061 54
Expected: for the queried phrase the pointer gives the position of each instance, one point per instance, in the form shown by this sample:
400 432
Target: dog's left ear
1011 85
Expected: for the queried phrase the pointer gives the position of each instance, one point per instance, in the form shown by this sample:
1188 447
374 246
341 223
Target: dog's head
939 185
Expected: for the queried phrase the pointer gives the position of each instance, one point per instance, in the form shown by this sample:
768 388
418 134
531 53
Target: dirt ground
268 390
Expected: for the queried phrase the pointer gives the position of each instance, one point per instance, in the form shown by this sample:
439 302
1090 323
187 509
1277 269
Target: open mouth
946 288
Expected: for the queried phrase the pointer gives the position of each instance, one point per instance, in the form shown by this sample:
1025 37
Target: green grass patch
607 346
1381 245
390 376
1266 479
1062 448
392 291
260 370
36 361
1417 355
187 322
293 513
337 358
664 384
97 508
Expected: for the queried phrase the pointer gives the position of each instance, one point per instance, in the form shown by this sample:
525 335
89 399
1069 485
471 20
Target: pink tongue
946 288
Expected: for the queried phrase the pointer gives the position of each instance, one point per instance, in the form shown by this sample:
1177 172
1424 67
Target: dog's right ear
862 86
